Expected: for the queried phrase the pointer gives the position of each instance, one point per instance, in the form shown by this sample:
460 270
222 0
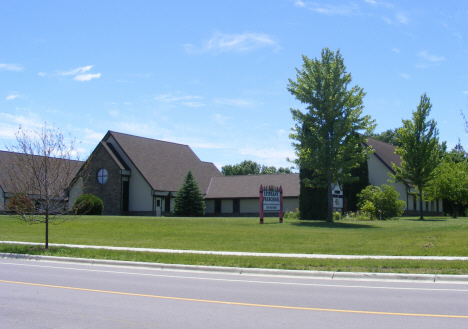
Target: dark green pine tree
189 200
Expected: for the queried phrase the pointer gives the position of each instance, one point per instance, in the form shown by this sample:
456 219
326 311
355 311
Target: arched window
102 176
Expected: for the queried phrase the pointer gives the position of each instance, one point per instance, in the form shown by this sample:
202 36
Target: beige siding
75 192
378 175
290 204
140 191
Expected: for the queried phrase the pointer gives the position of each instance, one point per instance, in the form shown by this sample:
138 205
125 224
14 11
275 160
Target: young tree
420 150
325 135
189 200
450 182
40 169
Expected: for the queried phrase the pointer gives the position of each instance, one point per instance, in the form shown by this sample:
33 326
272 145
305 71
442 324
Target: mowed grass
433 237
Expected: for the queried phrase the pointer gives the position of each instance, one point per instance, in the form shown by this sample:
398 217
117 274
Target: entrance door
158 206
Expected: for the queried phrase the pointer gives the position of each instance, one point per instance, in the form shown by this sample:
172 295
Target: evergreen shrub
88 204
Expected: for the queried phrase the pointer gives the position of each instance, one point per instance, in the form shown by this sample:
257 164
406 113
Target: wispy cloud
220 119
12 97
429 59
11 67
186 100
87 77
193 104
405 76
402 18
328 9
465 92
171 98
221 42
76 71
396 50
79 73
233 102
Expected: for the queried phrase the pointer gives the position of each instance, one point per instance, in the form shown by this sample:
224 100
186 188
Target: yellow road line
236 303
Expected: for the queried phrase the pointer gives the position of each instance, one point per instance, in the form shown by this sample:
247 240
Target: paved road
45 294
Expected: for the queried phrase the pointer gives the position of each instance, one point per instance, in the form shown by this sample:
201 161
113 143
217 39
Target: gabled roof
384 152
8 159
164 164
247 186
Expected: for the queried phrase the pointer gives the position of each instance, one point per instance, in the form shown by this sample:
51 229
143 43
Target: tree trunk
420 204
330 201
47 231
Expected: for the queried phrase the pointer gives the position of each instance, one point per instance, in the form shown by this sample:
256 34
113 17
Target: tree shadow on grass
316 223
426 220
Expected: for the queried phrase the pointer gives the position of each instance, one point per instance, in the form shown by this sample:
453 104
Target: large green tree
420 150
326 142
450 182
189 200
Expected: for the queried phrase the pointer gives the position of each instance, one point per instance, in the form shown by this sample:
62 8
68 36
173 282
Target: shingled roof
8 159
384 152
247 186
164 164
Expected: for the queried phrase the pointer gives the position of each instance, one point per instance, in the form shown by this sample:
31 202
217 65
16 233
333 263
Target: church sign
271 200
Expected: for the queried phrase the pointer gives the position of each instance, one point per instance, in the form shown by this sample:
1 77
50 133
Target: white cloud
220 119
299 3
331 10
11 67
87 77
405 76
11 97
171 98
233 102
465 92
76 71
221 42
193 104
402 18
429 59
396 50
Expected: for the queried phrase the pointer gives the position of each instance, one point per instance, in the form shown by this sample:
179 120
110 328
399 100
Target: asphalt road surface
43 294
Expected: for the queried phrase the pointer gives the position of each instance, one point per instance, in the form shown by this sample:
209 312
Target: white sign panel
337 202
271 200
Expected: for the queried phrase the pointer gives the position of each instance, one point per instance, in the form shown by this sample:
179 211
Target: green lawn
435 236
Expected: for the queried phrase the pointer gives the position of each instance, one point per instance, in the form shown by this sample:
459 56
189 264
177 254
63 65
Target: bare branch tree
38 171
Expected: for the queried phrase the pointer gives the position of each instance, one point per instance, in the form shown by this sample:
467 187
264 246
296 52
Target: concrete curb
240 253
424 278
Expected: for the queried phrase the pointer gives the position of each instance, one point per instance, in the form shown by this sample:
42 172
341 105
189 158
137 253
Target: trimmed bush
381 202
88 204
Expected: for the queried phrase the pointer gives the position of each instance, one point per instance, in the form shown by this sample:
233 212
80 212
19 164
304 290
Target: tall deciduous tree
40 169
420 150
326 142
189 200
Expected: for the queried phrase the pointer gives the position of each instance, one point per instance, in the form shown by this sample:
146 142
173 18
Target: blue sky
213 74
